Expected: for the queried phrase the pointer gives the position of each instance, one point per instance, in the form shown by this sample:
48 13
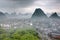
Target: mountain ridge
54 15
39 13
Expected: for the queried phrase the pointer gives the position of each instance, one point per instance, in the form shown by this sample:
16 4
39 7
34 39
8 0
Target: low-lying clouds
30 5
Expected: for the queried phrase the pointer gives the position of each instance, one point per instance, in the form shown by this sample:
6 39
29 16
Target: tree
29 37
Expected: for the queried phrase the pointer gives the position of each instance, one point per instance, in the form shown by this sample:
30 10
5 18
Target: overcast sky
28 6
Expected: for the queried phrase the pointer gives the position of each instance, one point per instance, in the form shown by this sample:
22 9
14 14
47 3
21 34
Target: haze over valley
29 19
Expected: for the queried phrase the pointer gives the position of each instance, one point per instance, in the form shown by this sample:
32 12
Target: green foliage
2 30
24 34
3 33
29 37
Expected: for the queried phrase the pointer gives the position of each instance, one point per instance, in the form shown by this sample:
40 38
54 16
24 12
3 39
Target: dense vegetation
19 34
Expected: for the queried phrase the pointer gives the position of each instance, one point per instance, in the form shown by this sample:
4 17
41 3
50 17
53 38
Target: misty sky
28 6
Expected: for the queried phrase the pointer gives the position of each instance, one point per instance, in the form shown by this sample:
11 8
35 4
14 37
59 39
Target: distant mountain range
2 15
39 13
